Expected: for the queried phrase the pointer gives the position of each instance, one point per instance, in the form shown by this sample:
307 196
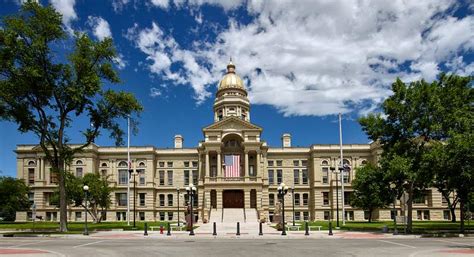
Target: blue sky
302 63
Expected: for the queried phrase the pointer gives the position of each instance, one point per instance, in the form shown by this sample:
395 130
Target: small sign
401 219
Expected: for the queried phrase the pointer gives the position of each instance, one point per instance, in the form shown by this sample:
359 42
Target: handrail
245 216
222 218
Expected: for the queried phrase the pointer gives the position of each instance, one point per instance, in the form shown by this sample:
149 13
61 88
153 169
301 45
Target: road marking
88 244
453 242
13 246
409 246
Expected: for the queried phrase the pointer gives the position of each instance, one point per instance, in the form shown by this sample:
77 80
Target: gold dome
231 80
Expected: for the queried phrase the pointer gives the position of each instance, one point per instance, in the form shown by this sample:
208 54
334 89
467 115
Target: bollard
306 229
161 229
238 229
214 230
146 230
169 230
260 233
330 229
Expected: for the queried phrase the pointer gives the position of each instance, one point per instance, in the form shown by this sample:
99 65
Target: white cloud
100 27
118 5
317 57
120 62
66 8
154 92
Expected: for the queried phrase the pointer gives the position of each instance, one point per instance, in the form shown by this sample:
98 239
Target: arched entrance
233 199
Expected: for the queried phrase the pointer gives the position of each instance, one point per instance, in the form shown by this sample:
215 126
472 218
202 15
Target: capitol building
232 167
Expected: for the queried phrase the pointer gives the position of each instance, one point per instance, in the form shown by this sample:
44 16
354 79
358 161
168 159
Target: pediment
232 123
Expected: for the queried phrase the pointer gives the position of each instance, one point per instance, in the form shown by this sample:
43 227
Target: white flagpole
128 170
342 170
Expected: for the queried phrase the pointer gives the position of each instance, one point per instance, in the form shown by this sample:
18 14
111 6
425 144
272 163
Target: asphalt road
85 247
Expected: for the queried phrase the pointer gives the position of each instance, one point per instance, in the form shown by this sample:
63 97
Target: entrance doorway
253 198
233 199
213 199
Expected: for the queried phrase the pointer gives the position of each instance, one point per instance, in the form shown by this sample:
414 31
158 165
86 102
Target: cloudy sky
302 61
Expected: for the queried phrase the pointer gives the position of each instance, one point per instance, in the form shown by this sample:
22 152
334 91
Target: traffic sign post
33 215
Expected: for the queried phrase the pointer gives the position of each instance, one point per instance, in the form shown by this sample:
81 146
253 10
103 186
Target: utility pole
342 170
129 170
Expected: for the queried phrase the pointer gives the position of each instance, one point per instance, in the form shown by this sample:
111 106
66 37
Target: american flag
232 165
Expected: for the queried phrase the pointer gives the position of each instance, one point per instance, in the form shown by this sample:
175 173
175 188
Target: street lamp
86 190
293 203
282 191
191 190
395 230
134 194
337 194
177 190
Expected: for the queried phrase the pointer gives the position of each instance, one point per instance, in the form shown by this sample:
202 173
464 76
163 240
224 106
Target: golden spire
230 66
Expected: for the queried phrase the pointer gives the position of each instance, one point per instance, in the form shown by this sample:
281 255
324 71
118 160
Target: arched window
141 164
104 164
122 164
364 162
79 162
31 163
346 162
324 163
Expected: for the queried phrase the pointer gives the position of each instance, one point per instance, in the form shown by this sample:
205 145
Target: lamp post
395 230
131 172
191 190
86 189
282 191
337 196
293 203
177 190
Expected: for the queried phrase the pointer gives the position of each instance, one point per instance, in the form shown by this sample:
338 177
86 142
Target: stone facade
307 170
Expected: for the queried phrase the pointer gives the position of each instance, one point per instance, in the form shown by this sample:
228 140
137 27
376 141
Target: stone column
219 198
247 199
257 165
219 164
207 165
246 167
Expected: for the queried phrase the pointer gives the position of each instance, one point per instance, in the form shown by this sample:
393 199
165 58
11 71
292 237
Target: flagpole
342 170
128 171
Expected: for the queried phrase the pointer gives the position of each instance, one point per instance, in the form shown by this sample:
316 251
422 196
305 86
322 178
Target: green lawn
77 226
418 226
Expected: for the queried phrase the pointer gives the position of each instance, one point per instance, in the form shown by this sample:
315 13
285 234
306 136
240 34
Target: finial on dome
230 66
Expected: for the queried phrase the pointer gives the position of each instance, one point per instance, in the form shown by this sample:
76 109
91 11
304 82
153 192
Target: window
420 198
366 215
279 163
304 163
296 163
271 199
122 199
324 163
31 176
446 215
251 171
169 164
426 215
305 199
123 164
195 177
279 177
444 201
141 177
162 177
213 171
186 164
104 165
141 215
51 216
162 200
170 200
170 215
79 162
347 175
347 198
305 176
325 171
123 177
305 215
419 215
103 173
78 216
349 215
296 176
325 198
297 215
162 215
195 199
271 180
53 177
31 197
270 163
79 172
195 164
141 197
326 215
31 163
161 164
170 178
393 214
186 177
297 199
121 215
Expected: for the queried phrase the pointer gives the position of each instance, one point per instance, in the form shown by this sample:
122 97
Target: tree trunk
410 209
462 215
62 197
453 213
370 216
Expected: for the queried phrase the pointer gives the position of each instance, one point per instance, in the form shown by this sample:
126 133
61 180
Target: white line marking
13 246
409 246
453 242
88 244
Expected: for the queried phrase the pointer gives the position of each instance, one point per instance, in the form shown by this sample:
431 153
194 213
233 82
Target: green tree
370 189
43 92
14 197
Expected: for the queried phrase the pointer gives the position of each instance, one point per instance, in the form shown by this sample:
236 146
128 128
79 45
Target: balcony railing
232 179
